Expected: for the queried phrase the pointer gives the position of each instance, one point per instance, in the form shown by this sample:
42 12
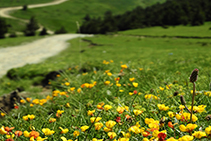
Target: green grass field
125 81
115 88
8 42
9 3
68 13
188 31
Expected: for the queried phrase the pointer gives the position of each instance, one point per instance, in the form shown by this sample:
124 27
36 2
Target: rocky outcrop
7 101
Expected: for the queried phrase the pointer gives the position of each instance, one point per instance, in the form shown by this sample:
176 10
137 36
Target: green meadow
128 82
183 31
9 42
137 85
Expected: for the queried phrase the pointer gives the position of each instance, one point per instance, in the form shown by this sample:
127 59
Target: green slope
66 14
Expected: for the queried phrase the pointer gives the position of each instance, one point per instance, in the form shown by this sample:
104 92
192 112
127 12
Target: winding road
4 12
36 51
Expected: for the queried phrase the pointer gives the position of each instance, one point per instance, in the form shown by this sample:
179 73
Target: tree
31 27
43 32
3 27
24 7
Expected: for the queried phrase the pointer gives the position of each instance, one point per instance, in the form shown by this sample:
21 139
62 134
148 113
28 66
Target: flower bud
176 93
182 99
194 75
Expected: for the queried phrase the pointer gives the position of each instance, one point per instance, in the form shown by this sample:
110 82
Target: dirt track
34 52
4 12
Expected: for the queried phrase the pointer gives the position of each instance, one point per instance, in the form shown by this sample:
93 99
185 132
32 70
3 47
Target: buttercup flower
135 84
76 133
199 134
90 112
208 130
110 124
137 112
186 138
98 125
64 131
47 131
92 119
84 128
120 110
111 135
107 107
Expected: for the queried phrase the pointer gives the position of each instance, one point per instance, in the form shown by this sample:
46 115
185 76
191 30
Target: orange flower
170 125
34 134
9 129
127 117
18 133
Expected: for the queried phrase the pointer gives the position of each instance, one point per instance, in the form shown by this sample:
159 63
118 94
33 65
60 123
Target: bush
13 35
62 30
31 27
25 8
43 32
3 27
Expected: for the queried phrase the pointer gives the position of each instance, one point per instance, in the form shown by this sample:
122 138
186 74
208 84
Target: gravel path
4 12
34 52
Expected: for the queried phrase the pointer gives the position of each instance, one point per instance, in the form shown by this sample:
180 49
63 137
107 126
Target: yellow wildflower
208 130
186 138
90 112
47 131
110 124
111 135
135 84
84 128
137 112
107 107
64 131
98 125
199 134
76 133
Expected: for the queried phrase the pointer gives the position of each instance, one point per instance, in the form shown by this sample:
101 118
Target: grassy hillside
68 13
9 3
188 31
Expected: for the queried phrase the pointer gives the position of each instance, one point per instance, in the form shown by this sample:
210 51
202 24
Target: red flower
118 119
9 139
135 92
161 136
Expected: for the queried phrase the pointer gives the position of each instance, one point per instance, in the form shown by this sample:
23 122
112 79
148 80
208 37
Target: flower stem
194 89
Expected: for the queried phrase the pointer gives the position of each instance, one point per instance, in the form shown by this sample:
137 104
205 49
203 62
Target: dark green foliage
25 8
12 35
3 27
31 27
172 12
43 32
62 30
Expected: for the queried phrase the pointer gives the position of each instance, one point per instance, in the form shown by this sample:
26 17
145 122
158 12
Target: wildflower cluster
109 104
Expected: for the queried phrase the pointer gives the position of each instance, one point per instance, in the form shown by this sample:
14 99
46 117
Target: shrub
62 30
43 32
25 7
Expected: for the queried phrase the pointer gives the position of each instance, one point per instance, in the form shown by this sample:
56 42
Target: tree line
170 13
